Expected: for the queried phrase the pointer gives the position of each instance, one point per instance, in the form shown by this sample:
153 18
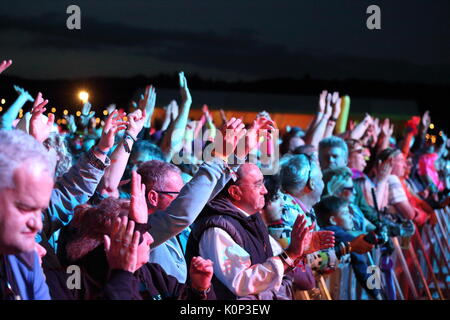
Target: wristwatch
288 260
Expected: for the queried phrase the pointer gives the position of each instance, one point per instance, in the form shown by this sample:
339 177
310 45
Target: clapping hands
201 272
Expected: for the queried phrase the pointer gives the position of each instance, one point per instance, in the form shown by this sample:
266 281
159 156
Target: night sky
230 40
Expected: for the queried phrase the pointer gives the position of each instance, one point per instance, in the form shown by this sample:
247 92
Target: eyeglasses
257 185
167 192
348 188
171 194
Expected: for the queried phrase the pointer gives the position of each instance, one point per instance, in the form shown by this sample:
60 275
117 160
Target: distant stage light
84 96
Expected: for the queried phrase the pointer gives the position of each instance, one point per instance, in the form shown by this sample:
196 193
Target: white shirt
232 264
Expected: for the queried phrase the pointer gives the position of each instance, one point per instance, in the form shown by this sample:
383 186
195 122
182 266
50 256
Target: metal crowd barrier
420 267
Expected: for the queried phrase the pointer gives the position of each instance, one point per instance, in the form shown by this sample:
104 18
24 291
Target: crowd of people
180 208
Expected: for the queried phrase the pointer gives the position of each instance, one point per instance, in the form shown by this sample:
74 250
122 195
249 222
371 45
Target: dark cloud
249 51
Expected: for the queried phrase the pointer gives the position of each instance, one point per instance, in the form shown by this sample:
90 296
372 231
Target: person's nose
263 189
150 239
35 222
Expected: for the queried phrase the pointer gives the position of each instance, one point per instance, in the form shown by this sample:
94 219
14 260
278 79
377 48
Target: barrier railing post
419 269
405 269
427 260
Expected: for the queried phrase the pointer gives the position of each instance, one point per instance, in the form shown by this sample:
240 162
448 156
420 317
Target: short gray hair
333 142
295 172
154 173
17 147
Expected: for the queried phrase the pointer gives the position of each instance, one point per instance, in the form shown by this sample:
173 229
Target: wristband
125 143
128 135
286 259
97 149
203 294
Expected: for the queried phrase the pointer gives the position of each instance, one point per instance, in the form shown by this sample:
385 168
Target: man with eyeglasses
230 231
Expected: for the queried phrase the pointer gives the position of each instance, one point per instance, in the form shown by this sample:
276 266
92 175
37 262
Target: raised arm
211 177
5 65
358 132
315 134
10 115
78 185
331 124
121 154
39 126
173 138
147 105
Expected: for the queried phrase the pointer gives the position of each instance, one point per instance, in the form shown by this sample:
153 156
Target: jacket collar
27 258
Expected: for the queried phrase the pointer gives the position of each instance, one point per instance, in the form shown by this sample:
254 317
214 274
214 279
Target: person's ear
235 192
311 184
153 198
333 221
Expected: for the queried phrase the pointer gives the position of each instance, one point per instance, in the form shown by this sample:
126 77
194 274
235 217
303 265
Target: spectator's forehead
33 184
250 173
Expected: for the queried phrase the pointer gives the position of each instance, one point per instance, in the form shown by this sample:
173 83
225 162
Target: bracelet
203 293
97 149
128 135
126 146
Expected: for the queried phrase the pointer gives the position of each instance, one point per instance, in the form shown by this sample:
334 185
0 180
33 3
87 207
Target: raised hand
336 105
23 93
4 65
39 128
138 204
122 248
71 123
113 125
226 142
111 108
223 116
318 240
426 120
384 169
385 127
207 114
260 127
186 98
322 101
136 122
86 113
174 110
148 100
201 272
360 129
298 244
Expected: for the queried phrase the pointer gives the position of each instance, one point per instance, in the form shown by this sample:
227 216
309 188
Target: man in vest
248 263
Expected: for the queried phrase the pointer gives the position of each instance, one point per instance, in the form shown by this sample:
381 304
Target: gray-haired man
26 183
